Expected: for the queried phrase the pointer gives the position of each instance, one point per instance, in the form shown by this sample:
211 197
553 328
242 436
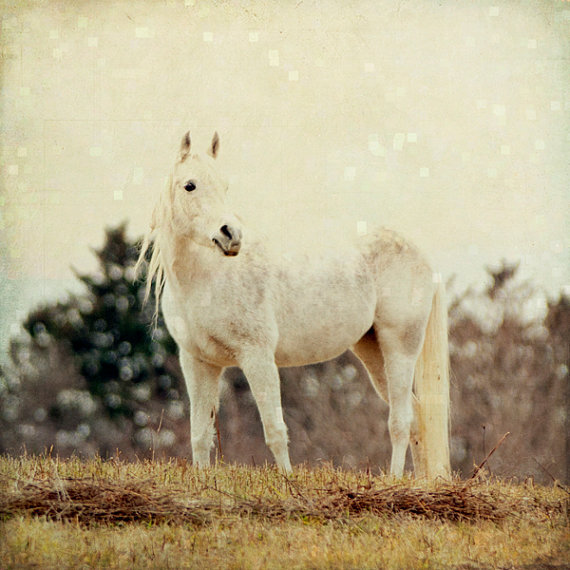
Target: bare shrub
510 373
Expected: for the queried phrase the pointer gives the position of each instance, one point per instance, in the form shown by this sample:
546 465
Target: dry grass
102 501
240 517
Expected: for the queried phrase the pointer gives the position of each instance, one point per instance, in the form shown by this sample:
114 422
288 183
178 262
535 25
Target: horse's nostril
226 231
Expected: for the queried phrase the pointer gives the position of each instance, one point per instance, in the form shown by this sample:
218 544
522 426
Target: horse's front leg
202 382
261 373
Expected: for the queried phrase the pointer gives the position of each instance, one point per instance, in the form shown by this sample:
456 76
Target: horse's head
197 200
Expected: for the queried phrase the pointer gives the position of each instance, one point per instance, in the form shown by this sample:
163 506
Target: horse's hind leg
400 369
391 370
202 384
399 362
263 378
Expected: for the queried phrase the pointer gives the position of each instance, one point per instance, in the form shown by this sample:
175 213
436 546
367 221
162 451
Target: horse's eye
190 186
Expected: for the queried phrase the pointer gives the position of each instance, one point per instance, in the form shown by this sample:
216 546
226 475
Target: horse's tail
431 404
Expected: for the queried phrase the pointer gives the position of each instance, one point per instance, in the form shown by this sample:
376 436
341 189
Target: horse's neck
185 261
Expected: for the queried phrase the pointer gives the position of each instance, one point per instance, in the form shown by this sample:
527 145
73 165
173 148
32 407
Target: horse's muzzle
228 239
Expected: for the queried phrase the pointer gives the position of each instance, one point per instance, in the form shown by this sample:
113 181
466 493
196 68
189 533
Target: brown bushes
92 501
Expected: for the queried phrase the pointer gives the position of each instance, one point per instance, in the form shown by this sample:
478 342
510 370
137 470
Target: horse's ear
184 147
213 150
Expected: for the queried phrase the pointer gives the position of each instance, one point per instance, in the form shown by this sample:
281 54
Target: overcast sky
446 121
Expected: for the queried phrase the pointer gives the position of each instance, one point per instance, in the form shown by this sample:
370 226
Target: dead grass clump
94 500
454 502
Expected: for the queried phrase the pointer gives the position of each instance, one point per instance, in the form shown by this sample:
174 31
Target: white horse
227 302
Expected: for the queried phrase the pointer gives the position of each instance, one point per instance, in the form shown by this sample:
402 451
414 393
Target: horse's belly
309 337
325 306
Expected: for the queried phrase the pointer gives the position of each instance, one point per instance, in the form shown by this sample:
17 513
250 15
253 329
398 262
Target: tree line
90 376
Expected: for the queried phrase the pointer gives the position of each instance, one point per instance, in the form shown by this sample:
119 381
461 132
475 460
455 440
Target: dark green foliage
107 330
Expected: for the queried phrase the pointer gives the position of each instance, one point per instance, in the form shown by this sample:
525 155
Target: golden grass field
113 514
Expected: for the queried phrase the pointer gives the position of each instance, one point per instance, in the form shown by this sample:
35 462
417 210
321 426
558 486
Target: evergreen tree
109 333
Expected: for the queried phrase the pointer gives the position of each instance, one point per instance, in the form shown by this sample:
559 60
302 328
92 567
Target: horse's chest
203 325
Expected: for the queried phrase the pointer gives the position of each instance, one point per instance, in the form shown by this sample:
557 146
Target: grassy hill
115 514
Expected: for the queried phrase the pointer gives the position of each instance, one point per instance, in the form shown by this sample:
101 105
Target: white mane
155 267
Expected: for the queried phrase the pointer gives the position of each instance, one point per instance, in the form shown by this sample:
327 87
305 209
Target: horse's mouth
231 251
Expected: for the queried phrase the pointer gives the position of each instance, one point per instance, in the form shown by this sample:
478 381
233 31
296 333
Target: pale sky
449 123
